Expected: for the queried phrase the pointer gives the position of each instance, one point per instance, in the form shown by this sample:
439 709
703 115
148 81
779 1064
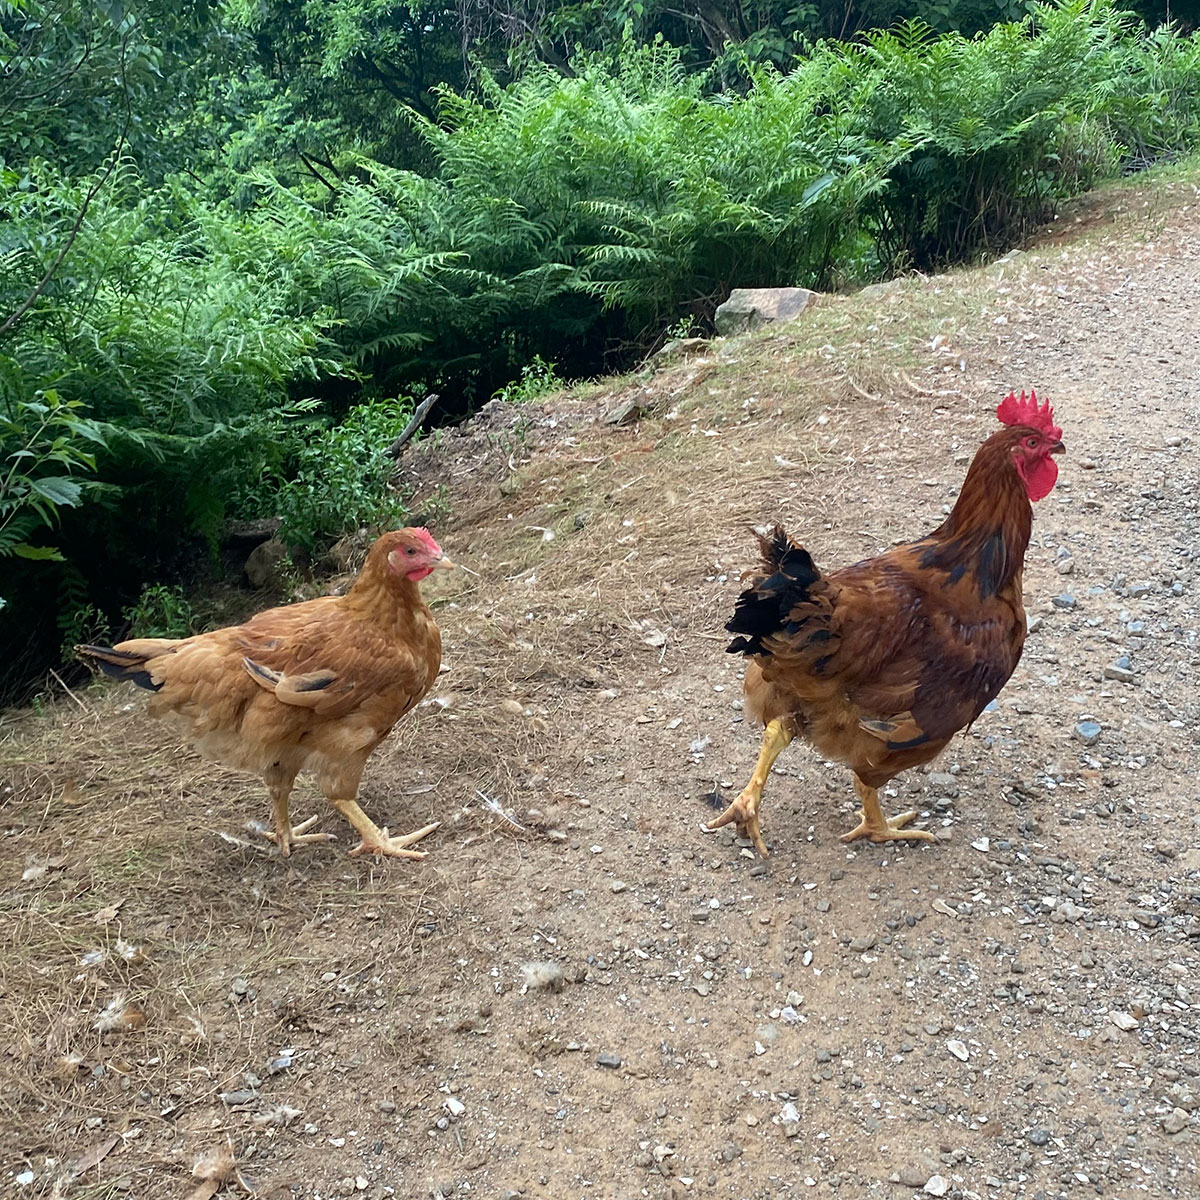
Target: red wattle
1040 478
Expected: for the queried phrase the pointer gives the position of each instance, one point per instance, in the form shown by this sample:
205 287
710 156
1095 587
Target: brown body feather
879 664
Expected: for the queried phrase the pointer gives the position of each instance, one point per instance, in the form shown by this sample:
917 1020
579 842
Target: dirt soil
583 995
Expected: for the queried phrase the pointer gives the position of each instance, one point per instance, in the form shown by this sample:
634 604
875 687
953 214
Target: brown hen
312 686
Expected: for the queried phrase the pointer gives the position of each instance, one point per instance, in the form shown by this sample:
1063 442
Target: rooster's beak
1058 448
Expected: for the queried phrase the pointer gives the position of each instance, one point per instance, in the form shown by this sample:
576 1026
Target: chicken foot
376 840
874 825
744 810
286 834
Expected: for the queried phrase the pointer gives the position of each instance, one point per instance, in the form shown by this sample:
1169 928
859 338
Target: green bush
342 481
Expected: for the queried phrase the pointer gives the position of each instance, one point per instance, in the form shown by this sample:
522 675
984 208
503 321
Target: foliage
44 441
538 378
161 611
341 482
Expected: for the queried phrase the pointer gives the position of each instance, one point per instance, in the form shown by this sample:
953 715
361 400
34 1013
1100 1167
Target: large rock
749 308
263 565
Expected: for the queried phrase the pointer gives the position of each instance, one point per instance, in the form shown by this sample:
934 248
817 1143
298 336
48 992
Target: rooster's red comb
1014 411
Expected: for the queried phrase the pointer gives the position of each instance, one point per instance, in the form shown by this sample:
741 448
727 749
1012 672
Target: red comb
427 538
1014 411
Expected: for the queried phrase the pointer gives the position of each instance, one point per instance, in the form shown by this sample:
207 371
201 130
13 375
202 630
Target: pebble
1070 910
1119 673
1066 566
241 1096
936 1185
1135 591
612 1061
1123 1020
1064 600
1176 1122
1039 1136
958 1049
862 943
1088 732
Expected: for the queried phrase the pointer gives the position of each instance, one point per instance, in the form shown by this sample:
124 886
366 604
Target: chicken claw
378 842
296 835
874 825
744 810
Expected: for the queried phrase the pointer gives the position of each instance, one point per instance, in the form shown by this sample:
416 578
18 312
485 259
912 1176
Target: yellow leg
376 840
876 826
286 834
744 810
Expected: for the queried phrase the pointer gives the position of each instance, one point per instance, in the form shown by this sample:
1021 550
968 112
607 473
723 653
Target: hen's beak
1058 448
442 563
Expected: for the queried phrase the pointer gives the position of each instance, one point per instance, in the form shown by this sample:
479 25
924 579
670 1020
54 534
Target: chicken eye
1031 442
409 550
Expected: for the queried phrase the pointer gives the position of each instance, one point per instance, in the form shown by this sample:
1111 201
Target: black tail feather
766 607
120 664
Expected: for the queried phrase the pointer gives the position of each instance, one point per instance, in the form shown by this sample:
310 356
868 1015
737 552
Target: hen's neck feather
388 599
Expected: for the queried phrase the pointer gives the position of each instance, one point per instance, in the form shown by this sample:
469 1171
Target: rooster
879 664
316 685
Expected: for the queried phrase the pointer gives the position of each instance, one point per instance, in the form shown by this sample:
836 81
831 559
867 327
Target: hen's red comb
1014 411
427 538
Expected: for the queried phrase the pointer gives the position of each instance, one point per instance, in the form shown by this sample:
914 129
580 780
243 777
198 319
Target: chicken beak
443 564
1058 448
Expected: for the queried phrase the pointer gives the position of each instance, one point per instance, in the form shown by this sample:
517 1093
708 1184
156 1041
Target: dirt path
1011 1013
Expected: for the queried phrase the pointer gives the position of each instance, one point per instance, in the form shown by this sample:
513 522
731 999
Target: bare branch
393 451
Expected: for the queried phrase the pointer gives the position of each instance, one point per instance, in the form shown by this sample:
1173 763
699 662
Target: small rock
239 1097
1119 673
1039 1136
936 1185
1065 566
1065 600
862 943
612 1061
1123 1020
958 1049
1088 732
1176 1122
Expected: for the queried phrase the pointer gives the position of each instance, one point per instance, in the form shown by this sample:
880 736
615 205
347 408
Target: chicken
313 686
879 664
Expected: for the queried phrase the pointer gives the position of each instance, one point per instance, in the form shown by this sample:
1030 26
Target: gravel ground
605 1002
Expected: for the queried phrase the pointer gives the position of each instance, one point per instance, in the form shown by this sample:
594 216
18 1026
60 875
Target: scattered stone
1123 1020
1065 600
1176 1122
936 1185
606 1059
239 1097
1088 732
958 1049
862 943
1038 1136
